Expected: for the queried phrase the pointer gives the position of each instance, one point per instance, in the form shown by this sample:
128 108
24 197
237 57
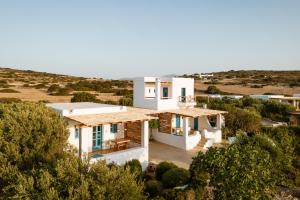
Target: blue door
196 126
97 137
177 121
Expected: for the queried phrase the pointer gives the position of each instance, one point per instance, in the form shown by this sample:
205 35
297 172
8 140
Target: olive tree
35 163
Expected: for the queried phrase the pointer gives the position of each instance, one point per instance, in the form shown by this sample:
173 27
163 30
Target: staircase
200 145
202 142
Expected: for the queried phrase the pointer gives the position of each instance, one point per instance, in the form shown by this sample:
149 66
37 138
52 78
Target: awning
117 117
194 112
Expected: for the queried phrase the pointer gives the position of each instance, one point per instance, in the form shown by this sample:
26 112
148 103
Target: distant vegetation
245 114
254 78
8 90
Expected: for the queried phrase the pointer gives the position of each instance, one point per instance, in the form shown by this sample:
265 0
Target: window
114 128
165 92
149 90
196 123
177 121
77 132
154 90
97 137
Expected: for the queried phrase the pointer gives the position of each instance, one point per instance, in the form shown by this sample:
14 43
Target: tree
213 90
83 97
53 88
276 111
162 168
35 162
242 119
31 134
175 177
243 170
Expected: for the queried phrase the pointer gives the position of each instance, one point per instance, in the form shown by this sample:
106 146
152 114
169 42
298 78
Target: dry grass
239 89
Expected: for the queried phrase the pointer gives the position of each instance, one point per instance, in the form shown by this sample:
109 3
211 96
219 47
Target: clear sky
129 38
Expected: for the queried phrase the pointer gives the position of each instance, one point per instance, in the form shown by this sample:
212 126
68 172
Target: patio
159 152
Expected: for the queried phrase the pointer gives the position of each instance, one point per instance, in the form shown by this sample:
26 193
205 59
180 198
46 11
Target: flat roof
78 105
132 114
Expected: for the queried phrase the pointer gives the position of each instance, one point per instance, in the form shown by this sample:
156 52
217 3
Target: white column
145 134
295 103
185 131
145 144
219 121
157 89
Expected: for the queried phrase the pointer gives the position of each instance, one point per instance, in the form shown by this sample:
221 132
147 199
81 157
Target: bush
175 177
135 167
83 97
213 90
9 91
9 100
276 111
53 88
162 168
63 92
152 188
242 119
125 101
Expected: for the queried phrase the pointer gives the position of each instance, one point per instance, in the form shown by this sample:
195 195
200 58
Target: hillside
248 82
41 86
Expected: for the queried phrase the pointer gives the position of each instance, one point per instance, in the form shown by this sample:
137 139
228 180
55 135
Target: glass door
177 121
97 137
196 123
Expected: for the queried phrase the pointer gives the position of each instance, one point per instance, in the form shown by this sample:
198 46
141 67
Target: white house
163 93
180 123
119 133
114 133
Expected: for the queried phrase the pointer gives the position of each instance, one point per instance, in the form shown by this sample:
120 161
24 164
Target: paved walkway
159 152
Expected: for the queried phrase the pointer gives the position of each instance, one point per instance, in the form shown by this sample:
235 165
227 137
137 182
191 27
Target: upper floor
163 93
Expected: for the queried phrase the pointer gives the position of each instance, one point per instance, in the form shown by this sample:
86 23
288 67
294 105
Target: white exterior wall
140 91
178 140
121 157
139 99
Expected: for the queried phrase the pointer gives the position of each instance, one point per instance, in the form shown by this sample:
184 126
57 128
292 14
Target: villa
181 124
119 133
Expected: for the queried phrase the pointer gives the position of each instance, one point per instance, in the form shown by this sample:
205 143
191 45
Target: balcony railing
187 99
115 146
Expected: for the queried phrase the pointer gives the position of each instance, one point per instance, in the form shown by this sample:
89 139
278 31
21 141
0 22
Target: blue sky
129 38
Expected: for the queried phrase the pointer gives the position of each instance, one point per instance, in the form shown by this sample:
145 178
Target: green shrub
162 168
124 101
175 177
154 123
62 92
213 90
135 167
53 88
9 91
152 188
83 97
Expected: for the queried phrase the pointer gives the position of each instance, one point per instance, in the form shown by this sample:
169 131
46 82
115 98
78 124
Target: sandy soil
239 89
32 94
